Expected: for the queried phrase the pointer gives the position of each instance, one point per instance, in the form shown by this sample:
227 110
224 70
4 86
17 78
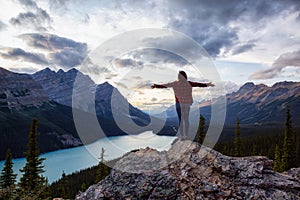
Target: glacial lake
75 159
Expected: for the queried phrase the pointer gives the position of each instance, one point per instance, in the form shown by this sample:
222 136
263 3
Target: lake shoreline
75 159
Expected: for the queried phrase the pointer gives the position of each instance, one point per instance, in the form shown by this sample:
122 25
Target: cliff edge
189 171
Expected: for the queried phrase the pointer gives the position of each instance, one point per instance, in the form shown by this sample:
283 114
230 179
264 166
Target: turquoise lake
75 159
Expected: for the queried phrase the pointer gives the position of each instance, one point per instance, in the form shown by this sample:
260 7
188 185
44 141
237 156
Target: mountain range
253 104
47 95
260 103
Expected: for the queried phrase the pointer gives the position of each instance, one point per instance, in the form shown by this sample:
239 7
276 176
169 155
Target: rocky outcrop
188 171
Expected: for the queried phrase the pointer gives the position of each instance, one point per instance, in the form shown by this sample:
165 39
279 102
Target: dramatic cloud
158 56
148 58
64 52
242 48
231 31
36 18
216 24
96 72
52 42
285 60
67 58
20 54
175 42
219 39
61 52
127 62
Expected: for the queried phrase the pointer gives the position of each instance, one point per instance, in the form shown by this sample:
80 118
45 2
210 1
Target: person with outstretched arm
183 99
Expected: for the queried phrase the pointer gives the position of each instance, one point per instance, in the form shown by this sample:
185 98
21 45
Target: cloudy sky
256 40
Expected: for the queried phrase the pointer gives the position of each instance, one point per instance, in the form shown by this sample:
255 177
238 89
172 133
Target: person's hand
153 86
210 84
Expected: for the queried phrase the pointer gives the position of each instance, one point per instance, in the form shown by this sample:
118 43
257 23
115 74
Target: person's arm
157 86
196 84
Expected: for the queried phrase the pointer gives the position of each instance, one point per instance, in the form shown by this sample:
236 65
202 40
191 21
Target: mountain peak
105 85
43 72
60 71
73 70
195 173
248 85
47 69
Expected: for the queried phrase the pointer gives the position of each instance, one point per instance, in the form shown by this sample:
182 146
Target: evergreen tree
237 140
63 186
200 132
32 183
289 145
83 187
46 191
277 160
7 178
102 170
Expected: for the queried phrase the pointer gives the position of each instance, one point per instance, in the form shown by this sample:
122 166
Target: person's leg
180 120
185 111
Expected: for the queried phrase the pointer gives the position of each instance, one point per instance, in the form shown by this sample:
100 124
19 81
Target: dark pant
183 111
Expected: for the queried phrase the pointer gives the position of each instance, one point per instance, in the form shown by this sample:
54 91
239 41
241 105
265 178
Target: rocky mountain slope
20 90
21 100
59 87
254 104
260 103
188 171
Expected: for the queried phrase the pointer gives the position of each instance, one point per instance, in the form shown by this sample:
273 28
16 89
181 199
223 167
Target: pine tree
32 183
64 186
237 140
289 145
200 132
83 187
7 178
277 160
103 169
